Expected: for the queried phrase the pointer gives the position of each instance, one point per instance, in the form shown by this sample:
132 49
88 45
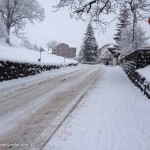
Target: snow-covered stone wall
13 70
139 81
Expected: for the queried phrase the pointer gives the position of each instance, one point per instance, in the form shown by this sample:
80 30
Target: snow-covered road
114 115
30 114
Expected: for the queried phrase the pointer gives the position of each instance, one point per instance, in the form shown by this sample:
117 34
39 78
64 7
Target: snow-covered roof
103 47
142 49
111 46
103 50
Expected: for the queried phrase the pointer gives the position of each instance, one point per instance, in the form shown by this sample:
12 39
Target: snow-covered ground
31 114
145 72
114 115
21 54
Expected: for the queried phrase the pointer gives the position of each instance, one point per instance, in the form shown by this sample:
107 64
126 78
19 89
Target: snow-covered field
114 115
145 72
21 54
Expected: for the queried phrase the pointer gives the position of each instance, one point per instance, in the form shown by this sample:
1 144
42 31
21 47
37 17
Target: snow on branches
16 13
126 43
93 9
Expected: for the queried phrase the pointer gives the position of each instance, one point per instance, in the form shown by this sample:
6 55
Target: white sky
60 27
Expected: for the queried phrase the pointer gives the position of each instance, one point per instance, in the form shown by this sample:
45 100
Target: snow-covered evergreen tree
89 48
127 45
123 21
52 45
81 54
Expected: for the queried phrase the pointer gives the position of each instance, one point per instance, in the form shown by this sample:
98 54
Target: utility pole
41 49
64 58
40 53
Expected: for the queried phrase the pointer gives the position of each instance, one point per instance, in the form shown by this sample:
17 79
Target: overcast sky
60 27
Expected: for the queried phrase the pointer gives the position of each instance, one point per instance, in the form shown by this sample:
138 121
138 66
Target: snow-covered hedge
140 81
13 70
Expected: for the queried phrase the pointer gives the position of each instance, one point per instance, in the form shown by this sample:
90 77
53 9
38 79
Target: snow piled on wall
145 72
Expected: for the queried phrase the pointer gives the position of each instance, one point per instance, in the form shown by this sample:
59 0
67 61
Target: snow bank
24 55
145 72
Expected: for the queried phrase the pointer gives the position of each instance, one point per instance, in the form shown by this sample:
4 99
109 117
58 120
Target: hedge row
13 70
136 78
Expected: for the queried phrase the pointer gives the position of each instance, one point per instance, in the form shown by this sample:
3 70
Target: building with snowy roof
108 55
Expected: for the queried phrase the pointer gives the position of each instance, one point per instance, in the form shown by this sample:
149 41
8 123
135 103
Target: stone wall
139 81
13 70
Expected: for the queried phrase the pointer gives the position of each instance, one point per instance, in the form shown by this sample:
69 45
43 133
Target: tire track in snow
72 109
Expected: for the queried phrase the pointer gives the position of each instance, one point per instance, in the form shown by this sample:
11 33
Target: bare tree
89 9
127 45
26 43
16 13
140 10
52 44
93 9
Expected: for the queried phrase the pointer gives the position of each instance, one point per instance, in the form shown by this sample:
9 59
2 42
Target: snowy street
84 107
114 115
31 113
74 75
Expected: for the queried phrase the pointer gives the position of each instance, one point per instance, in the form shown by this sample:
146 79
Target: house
104 55
108 55
65 51
115 54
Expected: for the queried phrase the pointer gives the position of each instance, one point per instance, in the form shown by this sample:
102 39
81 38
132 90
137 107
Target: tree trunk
133 31
134 24
8 34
